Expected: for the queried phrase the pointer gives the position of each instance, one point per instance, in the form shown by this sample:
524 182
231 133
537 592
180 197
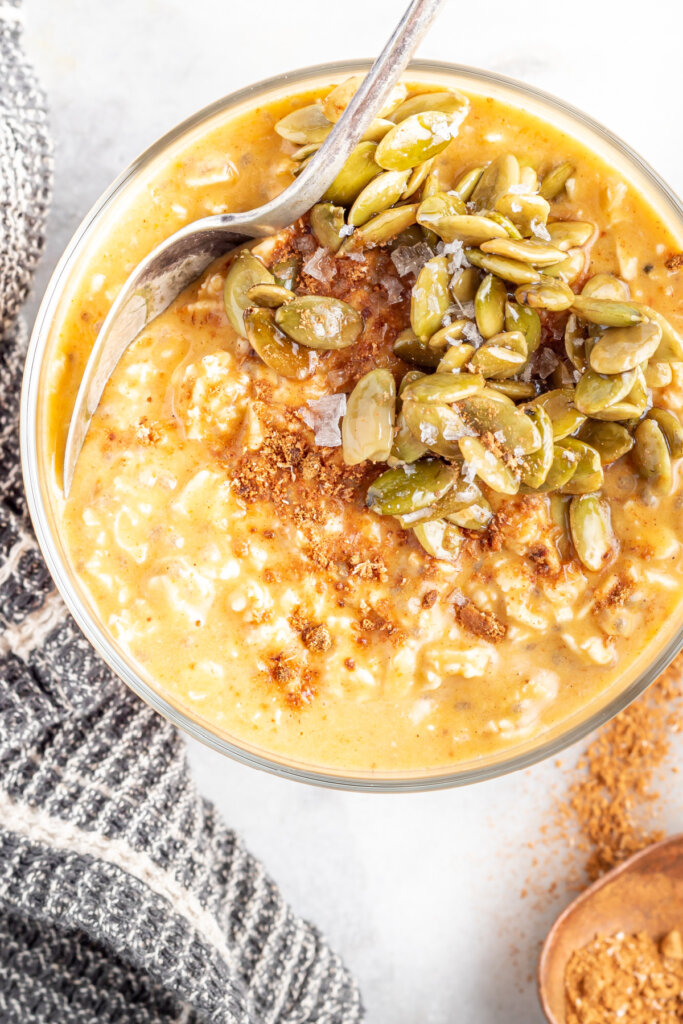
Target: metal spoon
644 894
180 259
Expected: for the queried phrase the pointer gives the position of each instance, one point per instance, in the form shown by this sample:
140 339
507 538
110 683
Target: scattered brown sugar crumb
479 622
316 638
430 598
614 783
675 261
626 978
296 682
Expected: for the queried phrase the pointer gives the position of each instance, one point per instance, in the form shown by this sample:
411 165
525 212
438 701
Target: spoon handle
323 168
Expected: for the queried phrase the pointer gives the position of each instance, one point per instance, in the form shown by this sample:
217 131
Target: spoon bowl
644 894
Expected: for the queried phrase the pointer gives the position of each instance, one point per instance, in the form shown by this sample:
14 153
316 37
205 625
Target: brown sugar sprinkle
674 262
626 978
479 622
614 784
316 638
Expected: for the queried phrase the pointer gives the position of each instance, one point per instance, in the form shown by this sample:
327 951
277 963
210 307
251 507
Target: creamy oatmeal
386 491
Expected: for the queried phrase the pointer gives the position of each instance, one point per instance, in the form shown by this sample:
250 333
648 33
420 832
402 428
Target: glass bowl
530 749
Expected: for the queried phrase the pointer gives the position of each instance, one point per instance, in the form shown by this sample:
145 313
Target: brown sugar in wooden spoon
644 894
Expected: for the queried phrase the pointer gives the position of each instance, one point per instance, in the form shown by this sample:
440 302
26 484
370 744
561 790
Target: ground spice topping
627 978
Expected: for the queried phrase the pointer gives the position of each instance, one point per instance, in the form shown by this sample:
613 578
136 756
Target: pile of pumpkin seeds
489 407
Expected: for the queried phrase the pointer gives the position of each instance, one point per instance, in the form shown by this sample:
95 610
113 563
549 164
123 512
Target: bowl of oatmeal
390 500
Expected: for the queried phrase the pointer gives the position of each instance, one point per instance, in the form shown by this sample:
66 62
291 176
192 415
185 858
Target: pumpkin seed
408 378
406 447
461 496
437 426
464 285
570 234
408 488
658 375
632 407
438 207
670 426
527 213
539 254
270 295
565 417
509 270
455 357
368 424
287 272
574 343
276 350
452 103
526 320
304 152
245 271
358 171
466 228
476 516
416 138
590 525
494 413
412 350
430 297
610 440
416 178
545 293
498 177
467 182
528 179
671 346
624 348
327 221
555 180
606 286
518 390
595 392
380 229
568 269
320 322
444 388
380 193
377 129
304 126
606 312
589 474
510 230
449 335
336 101
489 306
534 468
488 466
561 470
501 356
439 539
652 458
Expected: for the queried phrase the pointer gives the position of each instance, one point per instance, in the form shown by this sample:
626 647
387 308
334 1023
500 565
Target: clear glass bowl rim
385 782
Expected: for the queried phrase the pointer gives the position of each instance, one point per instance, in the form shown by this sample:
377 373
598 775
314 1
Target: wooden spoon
644 894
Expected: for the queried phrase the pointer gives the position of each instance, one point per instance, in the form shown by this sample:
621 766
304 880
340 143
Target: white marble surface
421 894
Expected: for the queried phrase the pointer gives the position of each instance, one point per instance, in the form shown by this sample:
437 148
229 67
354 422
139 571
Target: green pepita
534 468
382 192
623 348
489 306
670 426
245 272
467 182
327 221
358 171
527 213
545 293
501 356
509 270
488 466
610 440
304 126
444 388
469 229
555 180
380 229
570 234
539 254
412 350
439 539
589 474
368 424
606 312
565 417
494 413
498 178
430 297
652 458
526 320
591 530
409 488
605 286
595 392
415 139
320 322
273 346
269 295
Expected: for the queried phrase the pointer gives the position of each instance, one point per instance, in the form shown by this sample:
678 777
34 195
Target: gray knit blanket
123 897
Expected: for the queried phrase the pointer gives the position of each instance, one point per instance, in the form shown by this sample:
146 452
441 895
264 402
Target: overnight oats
399 487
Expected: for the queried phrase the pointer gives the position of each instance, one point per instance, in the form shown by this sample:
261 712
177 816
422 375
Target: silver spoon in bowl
182 257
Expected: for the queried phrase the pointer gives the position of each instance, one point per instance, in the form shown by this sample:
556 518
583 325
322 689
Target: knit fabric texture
123 897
